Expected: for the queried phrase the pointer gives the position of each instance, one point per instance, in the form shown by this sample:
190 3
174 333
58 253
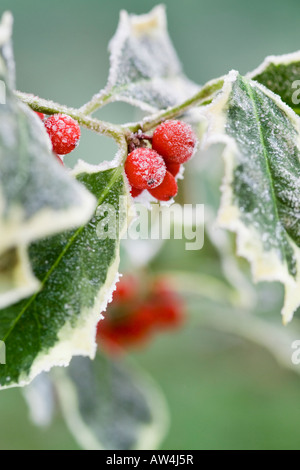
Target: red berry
135 192
166 190
64 133
40 115
175 141
173 168
145 168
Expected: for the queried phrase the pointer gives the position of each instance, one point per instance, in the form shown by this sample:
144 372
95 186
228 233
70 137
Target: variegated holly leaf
261 188
144 67
37 196
111 405
77 271
281 74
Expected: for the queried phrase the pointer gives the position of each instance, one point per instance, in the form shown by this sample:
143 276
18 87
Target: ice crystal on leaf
145 70
78 272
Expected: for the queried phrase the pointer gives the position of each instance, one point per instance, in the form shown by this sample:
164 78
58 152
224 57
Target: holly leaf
37 196
110 405
77 271
144 68
281 75
261 187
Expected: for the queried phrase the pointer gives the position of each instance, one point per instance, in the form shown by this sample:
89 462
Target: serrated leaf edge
81 339
153 22
284 59
264 266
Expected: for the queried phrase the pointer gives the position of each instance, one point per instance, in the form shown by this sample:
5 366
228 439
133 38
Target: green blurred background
223 393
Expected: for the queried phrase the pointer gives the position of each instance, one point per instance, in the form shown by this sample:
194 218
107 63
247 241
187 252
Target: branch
201 98
49 107
98 100
40 105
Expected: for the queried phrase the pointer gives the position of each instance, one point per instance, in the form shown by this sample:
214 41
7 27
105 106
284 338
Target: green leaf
77 272
110 405
261 188
281 74
145 70
37 196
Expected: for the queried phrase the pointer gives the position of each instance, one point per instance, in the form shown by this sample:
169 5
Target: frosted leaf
77 272
145 70
261 187
37 196
281 74
109 405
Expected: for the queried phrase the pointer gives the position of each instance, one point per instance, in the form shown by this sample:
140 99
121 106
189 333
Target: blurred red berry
126 289
136 313
169 306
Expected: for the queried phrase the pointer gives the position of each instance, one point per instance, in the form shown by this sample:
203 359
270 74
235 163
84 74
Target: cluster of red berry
173 143
137 313
64 133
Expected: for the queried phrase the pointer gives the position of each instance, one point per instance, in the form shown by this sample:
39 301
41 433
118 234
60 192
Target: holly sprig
56 217
126 131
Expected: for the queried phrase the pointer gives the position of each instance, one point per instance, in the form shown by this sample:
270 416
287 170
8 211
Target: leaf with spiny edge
281 74
144 68
261 187
37 196
77 271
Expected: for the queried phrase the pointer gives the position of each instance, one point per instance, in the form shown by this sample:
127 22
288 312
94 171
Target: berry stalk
49 107
203 97
118 132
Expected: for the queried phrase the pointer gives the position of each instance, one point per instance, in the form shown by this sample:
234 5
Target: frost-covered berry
64 133
145 169
40 115
175 141
166 190
173 168
135 192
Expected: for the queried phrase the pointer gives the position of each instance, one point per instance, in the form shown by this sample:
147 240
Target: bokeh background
223 392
